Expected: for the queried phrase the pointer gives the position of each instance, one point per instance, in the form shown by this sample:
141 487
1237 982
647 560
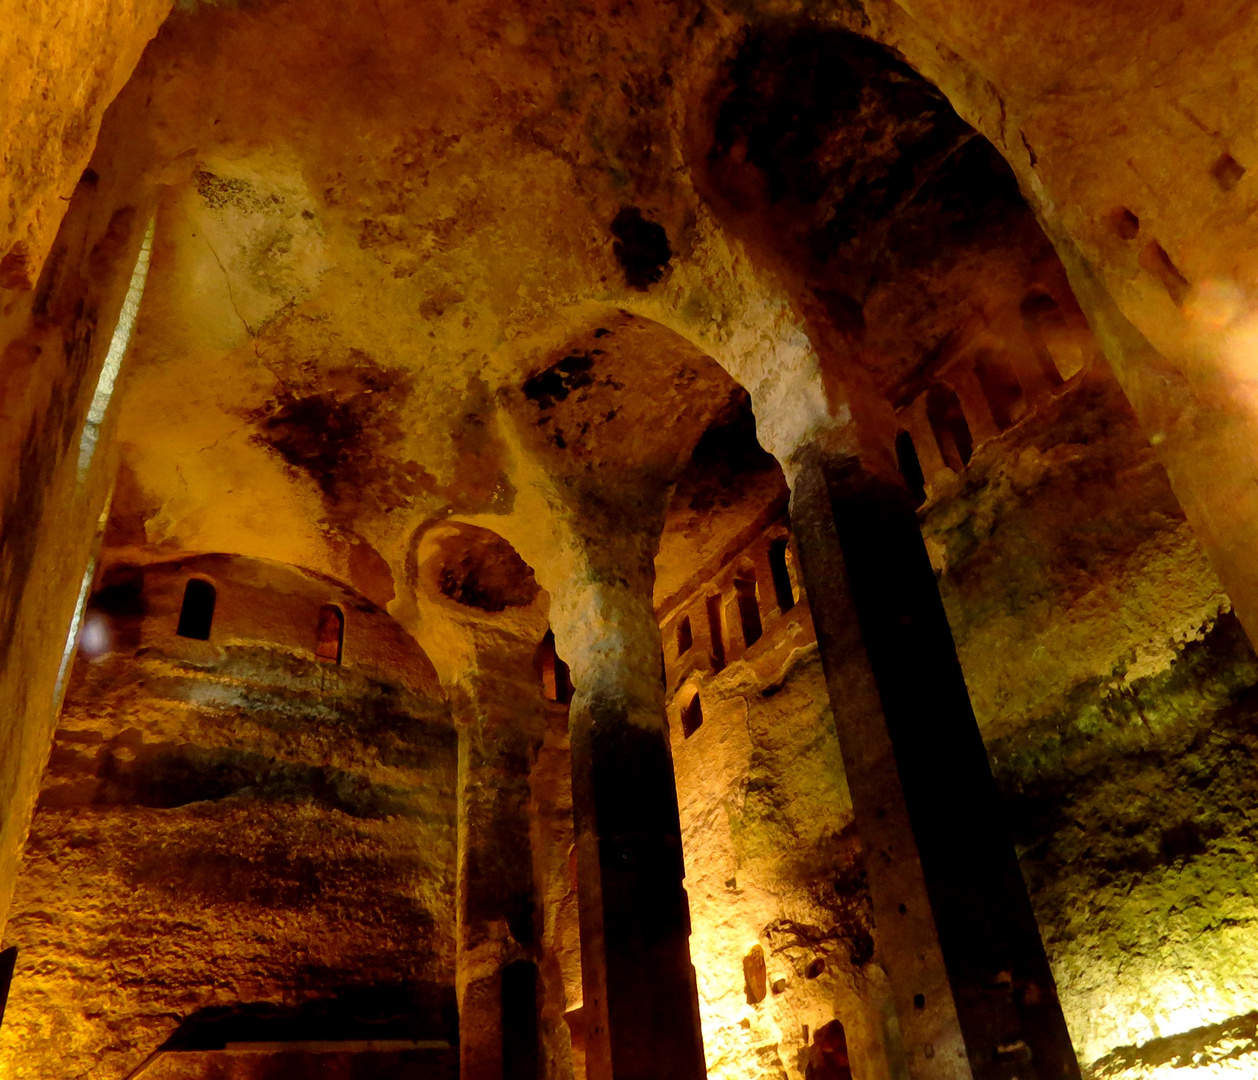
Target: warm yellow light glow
1216 304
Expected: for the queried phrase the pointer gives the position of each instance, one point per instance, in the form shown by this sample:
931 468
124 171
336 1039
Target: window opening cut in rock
692 716
685 637
197 613
910 467
755 975
748 607
1001 388
828 1055
716 631
331 636
556 679
1055 347
952 431
780 568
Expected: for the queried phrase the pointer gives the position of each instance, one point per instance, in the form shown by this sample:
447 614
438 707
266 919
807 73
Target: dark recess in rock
641 247
165 777
420 1010
848 157
483 571
553 384
727 452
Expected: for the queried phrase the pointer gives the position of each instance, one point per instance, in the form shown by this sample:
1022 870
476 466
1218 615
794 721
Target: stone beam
62 347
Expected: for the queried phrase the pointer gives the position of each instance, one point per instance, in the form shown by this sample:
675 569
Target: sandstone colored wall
60 68
231 831
1114 688
1115 693
771 859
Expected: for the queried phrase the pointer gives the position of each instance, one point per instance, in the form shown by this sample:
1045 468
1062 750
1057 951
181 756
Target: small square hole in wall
1125 223
1227 172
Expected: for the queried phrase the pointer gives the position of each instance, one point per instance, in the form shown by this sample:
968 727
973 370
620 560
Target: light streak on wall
113 359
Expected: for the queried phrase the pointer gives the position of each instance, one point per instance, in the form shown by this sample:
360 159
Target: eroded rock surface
464 319
235 839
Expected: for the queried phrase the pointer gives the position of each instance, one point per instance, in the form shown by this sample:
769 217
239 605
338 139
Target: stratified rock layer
236 841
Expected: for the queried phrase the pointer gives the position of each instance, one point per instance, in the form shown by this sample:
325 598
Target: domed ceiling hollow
477 568
903 229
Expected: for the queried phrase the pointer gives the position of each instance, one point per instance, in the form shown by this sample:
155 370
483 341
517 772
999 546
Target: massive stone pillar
496 978
955 930
641 1009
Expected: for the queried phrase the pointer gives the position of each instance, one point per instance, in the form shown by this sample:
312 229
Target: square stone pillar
954 927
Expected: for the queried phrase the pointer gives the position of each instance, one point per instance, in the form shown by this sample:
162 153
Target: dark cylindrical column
954 926
640 1012
495 901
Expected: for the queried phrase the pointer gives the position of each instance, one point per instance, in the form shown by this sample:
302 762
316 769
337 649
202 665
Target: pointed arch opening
910 466
685 636
556 678
748 597
1056 348
691 715
1001 388
716 630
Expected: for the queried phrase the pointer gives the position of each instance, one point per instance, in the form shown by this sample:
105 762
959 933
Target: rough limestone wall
226 825
1115 691
1116 694
771 860
60 67
1137 812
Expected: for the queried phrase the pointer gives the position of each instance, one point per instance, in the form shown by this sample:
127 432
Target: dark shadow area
165 776
641 247
415 1011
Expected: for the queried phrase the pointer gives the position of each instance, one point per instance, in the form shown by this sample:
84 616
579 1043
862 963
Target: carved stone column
496 978
641 1010
954 928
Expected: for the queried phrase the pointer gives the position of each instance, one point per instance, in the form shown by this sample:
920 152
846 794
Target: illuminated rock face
1112 688
470 336
237 840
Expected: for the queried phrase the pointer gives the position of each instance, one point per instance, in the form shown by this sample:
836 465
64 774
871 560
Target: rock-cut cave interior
628 540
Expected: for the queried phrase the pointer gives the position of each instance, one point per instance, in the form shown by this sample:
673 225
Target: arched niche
233 603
